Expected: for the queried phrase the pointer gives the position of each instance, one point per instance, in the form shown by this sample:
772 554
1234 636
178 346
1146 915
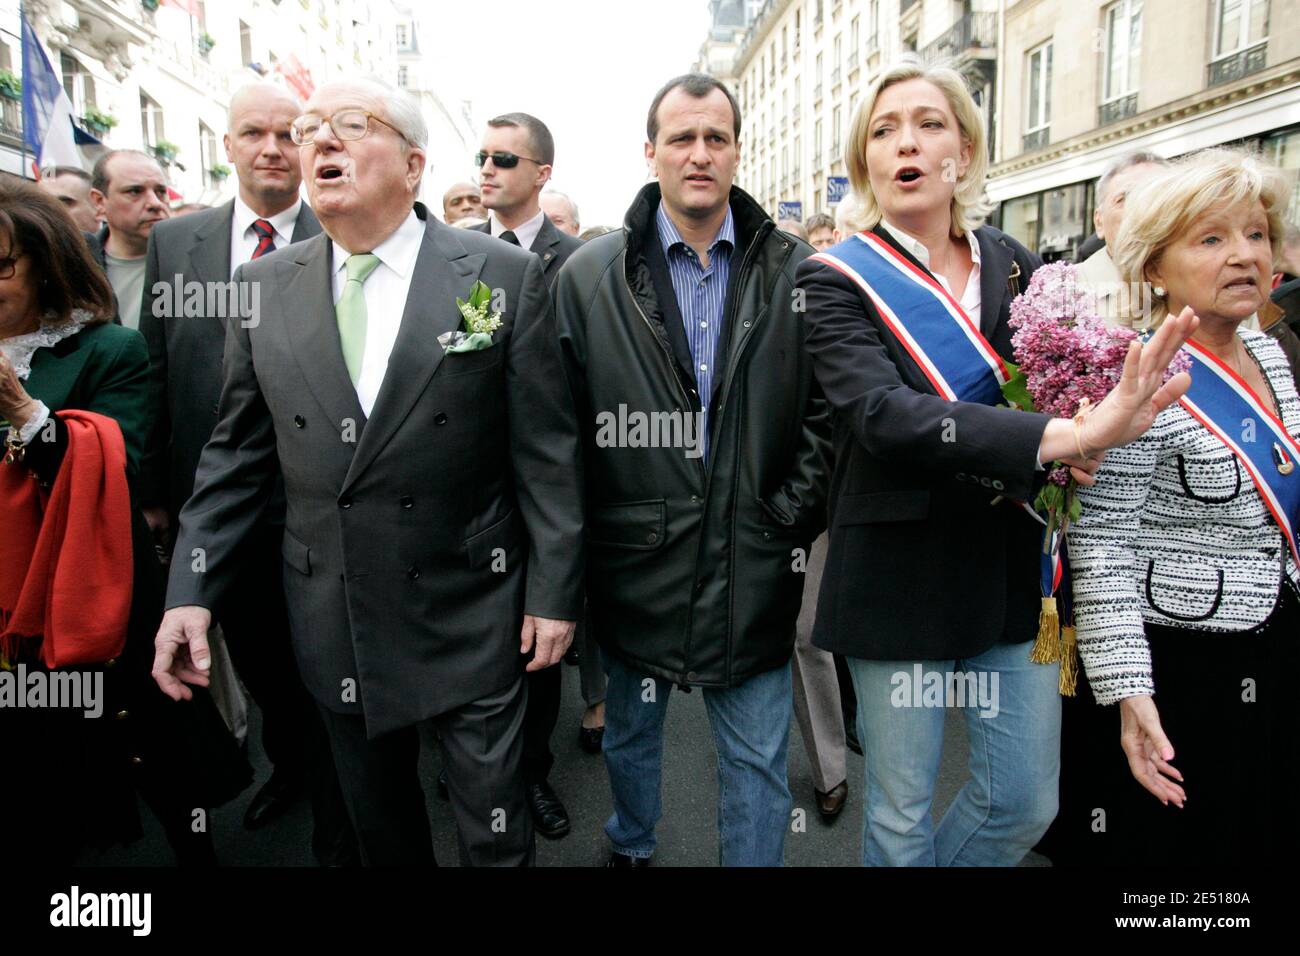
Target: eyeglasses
501 160
8 266
348 125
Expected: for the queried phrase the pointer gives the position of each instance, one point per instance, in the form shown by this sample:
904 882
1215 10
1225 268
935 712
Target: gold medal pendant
1284 464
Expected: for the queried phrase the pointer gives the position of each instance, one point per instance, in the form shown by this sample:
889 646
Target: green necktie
351 312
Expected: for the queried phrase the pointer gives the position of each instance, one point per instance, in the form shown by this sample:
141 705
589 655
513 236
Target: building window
1122 58
1240 39
6 61
873 25
151 120
817 145
79 85
835 134
402 76
1283 150
1038 116
209 157
403 36
245 42
853 34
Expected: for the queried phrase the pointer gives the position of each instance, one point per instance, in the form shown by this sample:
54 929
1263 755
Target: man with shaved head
186 354
433 539
462 201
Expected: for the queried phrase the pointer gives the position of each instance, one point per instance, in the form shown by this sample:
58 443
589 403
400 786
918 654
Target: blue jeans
1013 722
751 732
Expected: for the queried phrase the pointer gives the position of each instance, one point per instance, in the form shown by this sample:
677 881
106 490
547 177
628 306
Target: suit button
122 715
692 676
695 499
215 409
440 418
699 586
299 421
651 538
413 573
345 502
998 486
136 761
407 502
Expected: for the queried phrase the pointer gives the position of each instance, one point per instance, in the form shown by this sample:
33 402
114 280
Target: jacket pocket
1184 586
296 554
460 363
636 525
1206 479
504 534
883 506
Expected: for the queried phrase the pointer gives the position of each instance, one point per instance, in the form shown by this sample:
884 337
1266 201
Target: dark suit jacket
919 565
551 246
96 241
416 539
185 350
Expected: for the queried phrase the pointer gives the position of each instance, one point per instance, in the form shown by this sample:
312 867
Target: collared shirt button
704 325
703 367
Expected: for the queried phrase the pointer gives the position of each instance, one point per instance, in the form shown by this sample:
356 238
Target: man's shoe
590 738
443 792
277 795
851 738
549 815
830 804
617 859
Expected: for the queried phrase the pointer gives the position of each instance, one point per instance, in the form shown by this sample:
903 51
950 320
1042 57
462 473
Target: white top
19 349
525 233
243 240
385 291
970 297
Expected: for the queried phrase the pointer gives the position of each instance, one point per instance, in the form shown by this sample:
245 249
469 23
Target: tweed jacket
1175 533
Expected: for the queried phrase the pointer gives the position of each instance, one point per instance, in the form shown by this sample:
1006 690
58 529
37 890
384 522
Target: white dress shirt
525 233
970 297
243 240
385 293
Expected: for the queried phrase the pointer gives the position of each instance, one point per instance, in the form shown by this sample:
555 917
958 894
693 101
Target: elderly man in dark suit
433 531
186 334
515 163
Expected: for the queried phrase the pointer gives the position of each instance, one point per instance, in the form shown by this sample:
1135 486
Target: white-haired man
433 532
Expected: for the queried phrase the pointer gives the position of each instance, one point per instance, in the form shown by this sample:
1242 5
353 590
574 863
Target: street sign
790 210
836 188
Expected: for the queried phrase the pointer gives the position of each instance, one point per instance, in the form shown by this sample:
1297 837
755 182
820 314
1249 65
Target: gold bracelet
15 450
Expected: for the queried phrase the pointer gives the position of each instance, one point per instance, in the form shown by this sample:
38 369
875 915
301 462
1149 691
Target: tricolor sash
936 332
1221 401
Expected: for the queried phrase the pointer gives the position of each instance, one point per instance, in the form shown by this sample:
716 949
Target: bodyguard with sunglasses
514 165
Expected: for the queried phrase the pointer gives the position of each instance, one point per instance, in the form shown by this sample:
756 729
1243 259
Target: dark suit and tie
424 517
185 353
553 248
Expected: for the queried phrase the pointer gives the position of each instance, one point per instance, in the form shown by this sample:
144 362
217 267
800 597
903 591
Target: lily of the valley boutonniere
480 322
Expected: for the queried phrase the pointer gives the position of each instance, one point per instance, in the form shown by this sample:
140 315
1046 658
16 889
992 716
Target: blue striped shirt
701 298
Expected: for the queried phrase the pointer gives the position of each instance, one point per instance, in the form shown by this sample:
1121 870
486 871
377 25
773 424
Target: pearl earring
1159 291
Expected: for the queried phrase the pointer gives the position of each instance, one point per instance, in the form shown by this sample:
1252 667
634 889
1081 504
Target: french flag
48 128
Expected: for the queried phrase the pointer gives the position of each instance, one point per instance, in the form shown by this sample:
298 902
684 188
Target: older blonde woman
1185 560
926 579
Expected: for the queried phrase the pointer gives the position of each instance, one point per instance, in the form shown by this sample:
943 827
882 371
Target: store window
1020 220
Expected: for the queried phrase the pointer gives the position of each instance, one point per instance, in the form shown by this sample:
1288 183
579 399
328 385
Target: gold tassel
1047 648
1069 662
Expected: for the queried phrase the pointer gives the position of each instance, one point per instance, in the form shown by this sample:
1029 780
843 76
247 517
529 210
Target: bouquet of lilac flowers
1069 360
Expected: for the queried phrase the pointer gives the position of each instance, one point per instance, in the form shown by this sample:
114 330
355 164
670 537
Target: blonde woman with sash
1185 561
931 579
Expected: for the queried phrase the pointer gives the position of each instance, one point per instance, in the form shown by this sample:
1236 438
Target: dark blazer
919 565
185 351
96 241
551 246
415 540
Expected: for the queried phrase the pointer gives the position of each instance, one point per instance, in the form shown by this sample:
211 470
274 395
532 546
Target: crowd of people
386 471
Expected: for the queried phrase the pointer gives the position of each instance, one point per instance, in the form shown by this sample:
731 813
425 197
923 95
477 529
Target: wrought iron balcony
1237 65
1035 140
974 35
1116 110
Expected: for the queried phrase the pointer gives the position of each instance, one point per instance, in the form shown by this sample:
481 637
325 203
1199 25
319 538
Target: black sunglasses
501 160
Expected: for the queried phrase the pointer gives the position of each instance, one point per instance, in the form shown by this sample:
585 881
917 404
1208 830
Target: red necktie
265 238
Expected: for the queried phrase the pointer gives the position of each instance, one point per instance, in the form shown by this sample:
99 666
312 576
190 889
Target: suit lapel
995 266
545 245
210 249
306 226
306 288
443 271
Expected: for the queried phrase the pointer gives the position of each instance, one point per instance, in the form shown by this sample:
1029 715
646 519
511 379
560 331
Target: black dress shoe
443 792
277 795
617 859
549 815
831 803
589 738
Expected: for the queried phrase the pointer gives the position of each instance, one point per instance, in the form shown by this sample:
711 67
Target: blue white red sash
1221 400
934 329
